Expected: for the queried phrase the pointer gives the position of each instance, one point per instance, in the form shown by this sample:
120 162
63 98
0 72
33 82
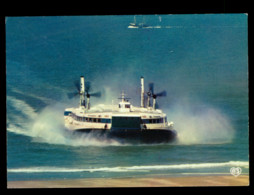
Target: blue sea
201 60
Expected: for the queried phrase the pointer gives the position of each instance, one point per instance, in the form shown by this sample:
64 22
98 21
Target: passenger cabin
124 105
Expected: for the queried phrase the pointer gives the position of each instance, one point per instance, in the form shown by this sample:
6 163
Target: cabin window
147 121
127 106
67 113
105 120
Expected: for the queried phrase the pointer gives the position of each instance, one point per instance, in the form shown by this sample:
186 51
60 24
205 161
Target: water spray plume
206 126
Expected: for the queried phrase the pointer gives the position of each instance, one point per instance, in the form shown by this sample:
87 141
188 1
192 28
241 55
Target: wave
43 99
22 106
144 168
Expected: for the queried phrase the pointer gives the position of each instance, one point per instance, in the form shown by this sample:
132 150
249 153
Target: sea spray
194 125
200 124
47 126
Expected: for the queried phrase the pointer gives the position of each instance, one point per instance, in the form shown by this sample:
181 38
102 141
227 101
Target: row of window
92 120
125 106
106 120
154 120
87 119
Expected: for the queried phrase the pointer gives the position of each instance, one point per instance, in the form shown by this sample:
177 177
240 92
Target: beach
187 181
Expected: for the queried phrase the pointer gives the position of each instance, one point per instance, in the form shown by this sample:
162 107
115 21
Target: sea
201 60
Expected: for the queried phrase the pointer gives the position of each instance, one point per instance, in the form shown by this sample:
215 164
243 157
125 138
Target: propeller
77 85
88 88
151 93
74 94
151 87
161 94
88 94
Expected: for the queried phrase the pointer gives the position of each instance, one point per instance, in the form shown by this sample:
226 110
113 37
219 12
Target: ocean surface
201 60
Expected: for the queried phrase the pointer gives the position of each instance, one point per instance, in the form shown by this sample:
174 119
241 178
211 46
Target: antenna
82 92
123 98
142 92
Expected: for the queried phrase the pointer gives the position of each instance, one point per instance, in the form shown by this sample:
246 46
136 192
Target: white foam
18 130
144 168
209 125
48 126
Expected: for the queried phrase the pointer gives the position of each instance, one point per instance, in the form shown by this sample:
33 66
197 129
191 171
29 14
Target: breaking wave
143 168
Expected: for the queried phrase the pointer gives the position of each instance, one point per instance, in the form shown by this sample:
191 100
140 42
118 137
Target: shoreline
182 181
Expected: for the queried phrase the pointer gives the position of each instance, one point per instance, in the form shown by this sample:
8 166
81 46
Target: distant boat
160 18
133 24
143 25
140 25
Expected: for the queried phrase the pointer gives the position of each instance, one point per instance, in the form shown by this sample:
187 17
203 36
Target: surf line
244 164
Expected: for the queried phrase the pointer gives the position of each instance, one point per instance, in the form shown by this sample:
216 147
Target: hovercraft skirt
143 136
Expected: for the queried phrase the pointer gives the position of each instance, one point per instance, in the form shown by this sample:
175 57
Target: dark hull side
140 136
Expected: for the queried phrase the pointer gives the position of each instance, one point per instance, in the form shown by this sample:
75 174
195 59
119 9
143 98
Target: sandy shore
242 180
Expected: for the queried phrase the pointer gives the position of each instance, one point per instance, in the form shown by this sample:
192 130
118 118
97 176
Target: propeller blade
87 86
77 85
72 95
151 87
96 94
163 93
